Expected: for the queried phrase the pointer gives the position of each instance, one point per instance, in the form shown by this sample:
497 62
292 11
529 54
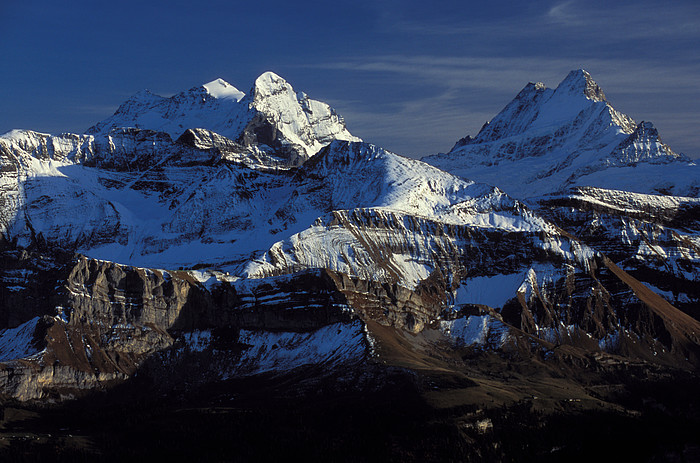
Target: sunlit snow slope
272 115
548 140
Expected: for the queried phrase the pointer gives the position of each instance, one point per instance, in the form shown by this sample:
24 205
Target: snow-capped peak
219 88
272 116
580 82
548 140
269 84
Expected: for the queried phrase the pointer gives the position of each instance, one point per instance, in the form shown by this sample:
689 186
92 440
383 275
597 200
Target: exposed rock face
104 321
607 309
644 144
111 294
390 304
654 238
598 168
109 319
355 258
27 286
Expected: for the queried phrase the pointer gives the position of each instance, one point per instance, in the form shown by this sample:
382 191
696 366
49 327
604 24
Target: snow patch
493 291
221 89
197 341
476 330
207 278
17 343
283 351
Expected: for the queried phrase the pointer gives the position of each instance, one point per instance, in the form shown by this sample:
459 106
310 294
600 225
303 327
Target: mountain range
216 237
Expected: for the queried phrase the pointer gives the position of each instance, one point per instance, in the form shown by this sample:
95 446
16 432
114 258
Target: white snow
284 351
221 89
304 123
206 277
16 343
356 201
546 141
476 330
493 291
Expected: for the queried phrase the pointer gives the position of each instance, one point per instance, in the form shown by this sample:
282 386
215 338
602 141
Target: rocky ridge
548 140
272 117
226 236
596 174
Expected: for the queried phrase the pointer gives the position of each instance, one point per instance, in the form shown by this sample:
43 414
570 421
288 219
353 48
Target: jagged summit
537 106
580 82
269 83
547 140
272 117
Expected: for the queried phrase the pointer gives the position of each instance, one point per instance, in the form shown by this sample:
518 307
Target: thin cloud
602 22
631 75
560 13
615 22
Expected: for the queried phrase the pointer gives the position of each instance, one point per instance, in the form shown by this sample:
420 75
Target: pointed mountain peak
647 128
220 89
514 118
645 132
580 81
644 144
270 83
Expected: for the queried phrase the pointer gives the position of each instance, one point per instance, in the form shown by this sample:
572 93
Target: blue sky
410 76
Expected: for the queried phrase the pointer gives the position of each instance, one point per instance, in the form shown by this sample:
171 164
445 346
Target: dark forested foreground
399 415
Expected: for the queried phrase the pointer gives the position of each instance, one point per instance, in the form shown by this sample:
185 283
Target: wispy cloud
560 13
499 74
619 21
601 21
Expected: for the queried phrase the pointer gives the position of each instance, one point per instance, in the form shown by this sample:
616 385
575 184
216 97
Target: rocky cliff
213 236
